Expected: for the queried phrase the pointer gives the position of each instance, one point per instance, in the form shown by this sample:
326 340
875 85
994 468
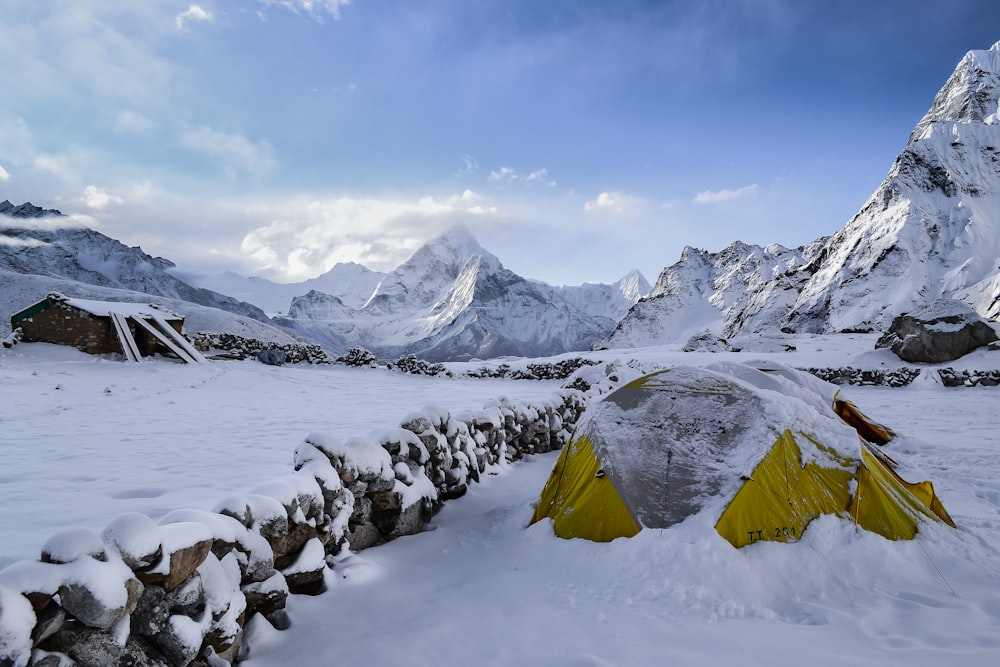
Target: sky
576 140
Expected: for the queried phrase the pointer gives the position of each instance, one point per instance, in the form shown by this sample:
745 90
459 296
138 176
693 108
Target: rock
941 332
180 640
363 535
151 614
16 623
266 596
185 547
272 357
305 574
136 537
706 341
70 545
99 594
89 647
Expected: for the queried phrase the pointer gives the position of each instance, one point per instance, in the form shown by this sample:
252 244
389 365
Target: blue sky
577 140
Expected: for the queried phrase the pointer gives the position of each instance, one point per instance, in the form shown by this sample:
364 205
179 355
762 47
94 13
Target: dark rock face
941 332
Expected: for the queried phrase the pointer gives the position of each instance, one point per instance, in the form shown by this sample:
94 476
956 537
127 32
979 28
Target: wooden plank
129 347
179 339
164 339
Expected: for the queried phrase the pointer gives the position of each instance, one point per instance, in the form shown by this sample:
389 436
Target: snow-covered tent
105 327
763 448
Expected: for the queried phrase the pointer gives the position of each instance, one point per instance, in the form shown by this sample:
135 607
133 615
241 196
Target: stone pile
242 348
952 378
882 377
559 370
359 357
178 592
411 364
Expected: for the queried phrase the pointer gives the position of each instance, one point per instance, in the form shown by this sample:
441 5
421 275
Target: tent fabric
867 428
598 512
770 444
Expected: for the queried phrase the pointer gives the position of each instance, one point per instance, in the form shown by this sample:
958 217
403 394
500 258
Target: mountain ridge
930 230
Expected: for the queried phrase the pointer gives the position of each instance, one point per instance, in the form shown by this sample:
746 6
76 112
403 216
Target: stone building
135 330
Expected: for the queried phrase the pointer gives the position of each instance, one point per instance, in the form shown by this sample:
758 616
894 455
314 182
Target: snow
87 441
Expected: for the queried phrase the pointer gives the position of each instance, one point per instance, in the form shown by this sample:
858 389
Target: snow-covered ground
84 440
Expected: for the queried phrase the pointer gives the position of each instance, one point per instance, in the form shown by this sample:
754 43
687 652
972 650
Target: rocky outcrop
943 331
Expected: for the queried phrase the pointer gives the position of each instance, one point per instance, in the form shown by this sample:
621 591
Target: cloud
233 150
57 165
4 175
306 238
96 198
616 203
315 9
133 123
193 13
714 197
510 175
469 165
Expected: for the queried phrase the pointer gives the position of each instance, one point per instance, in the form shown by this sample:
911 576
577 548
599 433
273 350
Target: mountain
702 290
349 282
43 251
53 245
931 230
453 300
607 300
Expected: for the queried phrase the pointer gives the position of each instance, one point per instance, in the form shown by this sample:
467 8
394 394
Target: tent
763 445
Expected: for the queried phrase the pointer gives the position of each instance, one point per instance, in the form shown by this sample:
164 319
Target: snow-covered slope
49 244
931 230
454 300
608 300
703 291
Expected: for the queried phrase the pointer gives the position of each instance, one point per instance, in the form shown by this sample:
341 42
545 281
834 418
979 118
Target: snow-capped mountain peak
969 95
931 230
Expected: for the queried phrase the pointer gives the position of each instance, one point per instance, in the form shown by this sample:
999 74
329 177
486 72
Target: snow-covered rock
942 331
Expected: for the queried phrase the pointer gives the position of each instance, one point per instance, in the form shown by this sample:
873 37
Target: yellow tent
769 442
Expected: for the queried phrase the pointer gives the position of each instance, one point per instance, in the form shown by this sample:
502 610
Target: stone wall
62 323
241 348
179 591
890 377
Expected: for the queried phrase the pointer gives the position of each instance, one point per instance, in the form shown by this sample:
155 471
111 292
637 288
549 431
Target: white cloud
4 175
510 175
612 202
714 197
233 150
307 237
57 165
503 174
193 13
469 165
315 9
133 123
96 198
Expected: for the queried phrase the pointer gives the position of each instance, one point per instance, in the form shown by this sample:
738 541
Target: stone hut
135 330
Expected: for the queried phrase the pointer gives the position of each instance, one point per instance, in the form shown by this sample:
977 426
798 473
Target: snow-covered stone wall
179 592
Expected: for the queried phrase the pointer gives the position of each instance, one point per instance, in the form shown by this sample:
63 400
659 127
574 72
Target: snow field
479 586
